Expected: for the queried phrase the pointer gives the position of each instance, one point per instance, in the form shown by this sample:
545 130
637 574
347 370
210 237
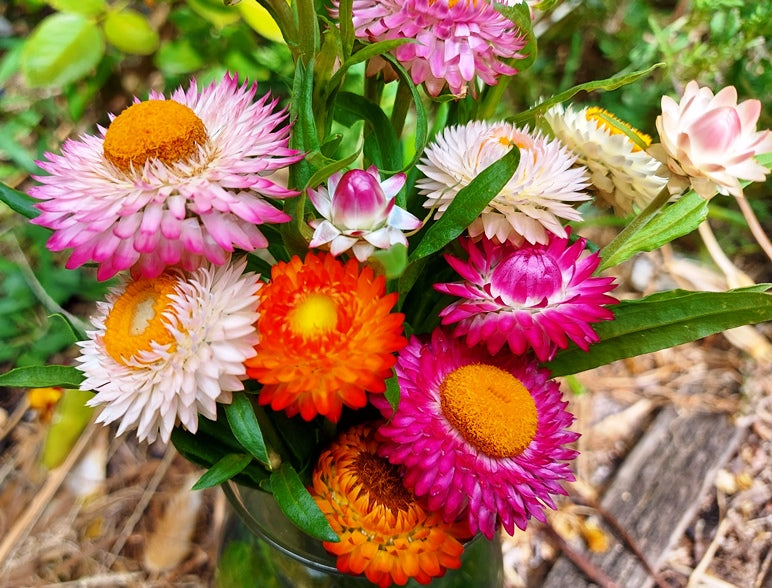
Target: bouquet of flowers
359 301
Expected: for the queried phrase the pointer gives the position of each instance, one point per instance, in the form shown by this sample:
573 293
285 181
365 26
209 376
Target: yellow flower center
154 129
491 409
615 126
381 482
136 318
313 315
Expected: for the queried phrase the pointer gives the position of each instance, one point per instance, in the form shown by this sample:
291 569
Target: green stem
282 13
608 253
308 30
492 99
402 102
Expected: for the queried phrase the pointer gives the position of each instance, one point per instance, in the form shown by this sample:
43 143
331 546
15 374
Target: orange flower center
315 314
155 129
136 318
491 409
603 118
382 482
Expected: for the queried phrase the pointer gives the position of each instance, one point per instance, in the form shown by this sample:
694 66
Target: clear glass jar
262 549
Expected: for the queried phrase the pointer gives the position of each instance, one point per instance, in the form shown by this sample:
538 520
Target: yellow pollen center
314 314
154 129
136 318
603 118
490 408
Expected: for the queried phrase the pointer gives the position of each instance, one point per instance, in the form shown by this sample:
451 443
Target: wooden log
655 495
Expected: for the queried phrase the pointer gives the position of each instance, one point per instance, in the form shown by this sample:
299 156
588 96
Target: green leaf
299 506
327 170
468 204
386 151
669 223
392 392
520 15
84 7
215 12
243 423
390 262
611 83
42 376
18 201
129 31
225 469
63 48
664 320
178 57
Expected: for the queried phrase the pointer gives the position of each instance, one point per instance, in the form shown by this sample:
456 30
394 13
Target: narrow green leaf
243 423
130 31
84 7
42 376
392 392
468 204
18 201
225 469
63 48
299 506
345 18
326 171
664 320
386 151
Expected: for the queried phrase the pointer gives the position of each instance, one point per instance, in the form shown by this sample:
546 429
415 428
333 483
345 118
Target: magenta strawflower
456 40
169 182
534 296
482 438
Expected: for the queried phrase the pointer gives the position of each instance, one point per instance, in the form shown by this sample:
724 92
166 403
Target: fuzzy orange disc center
313 315
382 482
491 409
154 129
136 318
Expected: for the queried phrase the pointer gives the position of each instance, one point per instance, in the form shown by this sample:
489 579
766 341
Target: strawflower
709 142
455 40
166 349
531 297
623 174
542 190
385 533
359 213
169 182
481 437
327 336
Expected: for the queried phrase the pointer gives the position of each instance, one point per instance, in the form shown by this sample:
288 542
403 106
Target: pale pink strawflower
482 438
359 213
170 182
709 142
456 40
543 190
166 349
536 297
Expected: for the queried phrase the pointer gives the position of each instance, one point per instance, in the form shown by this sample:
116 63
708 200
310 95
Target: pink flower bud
359 202
716 131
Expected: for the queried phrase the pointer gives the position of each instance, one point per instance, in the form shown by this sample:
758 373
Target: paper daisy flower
359 213
480 437
534 296
384 533
623 174
456 40
169 182
710 141
165 349
542 191
327 337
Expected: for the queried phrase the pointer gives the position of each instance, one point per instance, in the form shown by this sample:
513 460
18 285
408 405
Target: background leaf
222 471
130 31
299 506
43 376
243 423
18 201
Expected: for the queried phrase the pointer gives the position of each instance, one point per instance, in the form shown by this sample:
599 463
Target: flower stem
402 102
753 224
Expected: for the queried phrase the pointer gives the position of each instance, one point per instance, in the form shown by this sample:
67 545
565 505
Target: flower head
359 213
165 349
327 336
169 182
456 40
536 296
710 141
480 437
624 175
532 202
384 532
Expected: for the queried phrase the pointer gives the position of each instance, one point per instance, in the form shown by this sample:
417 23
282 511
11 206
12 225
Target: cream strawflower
710 141
623 174
542 191
168 348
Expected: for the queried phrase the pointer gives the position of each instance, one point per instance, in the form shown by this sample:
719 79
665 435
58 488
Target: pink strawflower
456 40
710 141
482 438
359 213
537 296
170 182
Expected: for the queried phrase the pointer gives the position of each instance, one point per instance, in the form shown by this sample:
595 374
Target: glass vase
262 549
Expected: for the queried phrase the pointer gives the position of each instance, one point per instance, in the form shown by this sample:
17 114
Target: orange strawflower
384 533
327 337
